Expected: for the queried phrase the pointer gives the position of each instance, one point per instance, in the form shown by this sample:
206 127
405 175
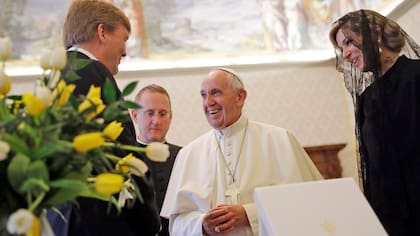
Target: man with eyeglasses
215 175
153 119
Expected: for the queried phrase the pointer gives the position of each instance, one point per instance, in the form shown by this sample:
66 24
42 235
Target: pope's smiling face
222 104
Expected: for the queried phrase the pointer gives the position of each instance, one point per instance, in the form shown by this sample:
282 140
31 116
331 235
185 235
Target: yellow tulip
5 83
94 94
108 183
93 98
35 230
33 105
121 164
63 92
87 142
99 109
84 105
113 130
131 164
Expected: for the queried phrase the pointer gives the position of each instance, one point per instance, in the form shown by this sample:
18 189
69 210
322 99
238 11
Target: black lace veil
356 81
362 22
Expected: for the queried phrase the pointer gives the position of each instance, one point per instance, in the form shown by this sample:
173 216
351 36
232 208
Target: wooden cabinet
325 157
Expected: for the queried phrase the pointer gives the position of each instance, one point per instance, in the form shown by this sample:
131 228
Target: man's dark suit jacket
161 172
89 216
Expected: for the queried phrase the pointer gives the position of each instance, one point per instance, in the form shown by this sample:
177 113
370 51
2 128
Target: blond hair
84 16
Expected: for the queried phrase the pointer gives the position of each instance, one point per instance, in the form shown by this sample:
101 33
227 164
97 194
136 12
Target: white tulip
137 166
44 94
156 151
131 164
58 58
20 222
54 78
45 60
5 48
125 193
4 150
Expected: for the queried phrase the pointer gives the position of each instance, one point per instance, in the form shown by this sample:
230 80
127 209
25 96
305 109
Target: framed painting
190 30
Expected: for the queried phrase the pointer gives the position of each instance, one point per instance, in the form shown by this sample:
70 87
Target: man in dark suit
153 119
97 31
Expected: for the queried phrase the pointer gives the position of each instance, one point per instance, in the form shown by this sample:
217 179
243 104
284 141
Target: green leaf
111 112
123 116
71 56
86 169
16 143
38 170
109 93
16 171
75 175
129 88
34 185
71 76
81 63
82 174
5 114
77 63
68 184
28 131
68 190
90 193
47 150
130 105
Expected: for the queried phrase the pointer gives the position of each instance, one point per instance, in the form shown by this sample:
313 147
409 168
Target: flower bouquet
55 146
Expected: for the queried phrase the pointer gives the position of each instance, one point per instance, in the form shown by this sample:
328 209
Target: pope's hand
224 219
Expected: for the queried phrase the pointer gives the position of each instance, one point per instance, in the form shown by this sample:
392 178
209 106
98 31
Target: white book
334 207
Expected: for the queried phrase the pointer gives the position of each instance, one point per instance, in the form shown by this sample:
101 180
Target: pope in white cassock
211 187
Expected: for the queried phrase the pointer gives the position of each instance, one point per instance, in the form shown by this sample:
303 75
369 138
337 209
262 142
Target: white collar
234 128
141 142
83 51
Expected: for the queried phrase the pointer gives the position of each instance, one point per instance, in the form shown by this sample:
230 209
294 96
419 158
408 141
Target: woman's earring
379 45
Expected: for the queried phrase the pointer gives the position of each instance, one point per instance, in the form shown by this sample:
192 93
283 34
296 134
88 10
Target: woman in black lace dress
373 54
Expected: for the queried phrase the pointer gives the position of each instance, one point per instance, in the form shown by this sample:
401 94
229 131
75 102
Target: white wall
307 99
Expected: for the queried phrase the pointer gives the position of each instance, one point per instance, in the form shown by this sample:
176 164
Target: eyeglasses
160 114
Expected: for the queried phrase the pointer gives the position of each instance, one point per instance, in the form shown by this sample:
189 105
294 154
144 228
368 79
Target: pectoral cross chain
232 192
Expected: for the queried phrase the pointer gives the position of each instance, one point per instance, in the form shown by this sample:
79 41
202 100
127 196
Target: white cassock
201 176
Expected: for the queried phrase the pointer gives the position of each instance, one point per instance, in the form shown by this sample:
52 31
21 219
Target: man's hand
224 219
